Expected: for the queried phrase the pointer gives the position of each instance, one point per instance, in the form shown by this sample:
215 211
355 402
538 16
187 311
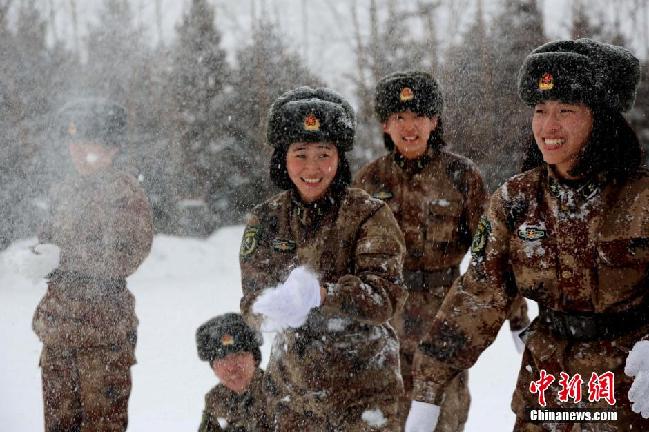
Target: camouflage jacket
437 201
579 248
346 350
103 226
228 411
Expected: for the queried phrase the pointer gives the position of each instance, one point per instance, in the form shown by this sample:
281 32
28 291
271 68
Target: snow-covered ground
183 283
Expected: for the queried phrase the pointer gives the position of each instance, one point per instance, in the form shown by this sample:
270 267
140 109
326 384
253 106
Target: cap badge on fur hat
72 129
406 94
311 123
227 340
546 82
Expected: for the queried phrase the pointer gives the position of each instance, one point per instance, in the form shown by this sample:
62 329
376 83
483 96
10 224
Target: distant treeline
197 121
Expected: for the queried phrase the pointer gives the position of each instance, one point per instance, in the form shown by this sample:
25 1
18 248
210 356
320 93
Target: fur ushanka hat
594 73
308 114
93 119
414 91
227 334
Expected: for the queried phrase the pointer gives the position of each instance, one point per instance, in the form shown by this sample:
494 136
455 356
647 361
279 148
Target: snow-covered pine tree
30 83
122 67
265 69
467 81
199 73
516 31
115 51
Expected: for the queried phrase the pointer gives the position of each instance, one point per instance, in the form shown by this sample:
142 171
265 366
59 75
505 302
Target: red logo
406 94
546 82
570 387
599 387
311 123
602 387
541 385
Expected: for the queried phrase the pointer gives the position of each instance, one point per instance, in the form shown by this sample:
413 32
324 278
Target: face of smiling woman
312 167
561 131
410 132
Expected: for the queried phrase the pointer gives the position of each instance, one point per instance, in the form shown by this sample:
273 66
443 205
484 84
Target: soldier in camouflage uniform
238 403
437 198
101 221
338 369
571 233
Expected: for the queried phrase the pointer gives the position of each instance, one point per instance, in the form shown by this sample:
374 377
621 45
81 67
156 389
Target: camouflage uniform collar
414 165
99 177
236 398
309 213
581 189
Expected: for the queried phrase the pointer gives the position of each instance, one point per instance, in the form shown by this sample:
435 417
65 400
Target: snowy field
181 284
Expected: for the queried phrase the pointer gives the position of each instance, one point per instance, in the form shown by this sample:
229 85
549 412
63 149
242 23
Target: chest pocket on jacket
624 252
623 267
443 220
533 262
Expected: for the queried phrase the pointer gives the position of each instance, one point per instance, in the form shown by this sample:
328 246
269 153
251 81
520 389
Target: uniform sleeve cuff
519 325
428 392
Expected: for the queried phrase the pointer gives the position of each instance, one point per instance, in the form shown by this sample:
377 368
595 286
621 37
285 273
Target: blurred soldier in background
437 198
100 220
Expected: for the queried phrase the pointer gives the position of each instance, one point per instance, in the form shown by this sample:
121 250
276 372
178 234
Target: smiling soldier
437 198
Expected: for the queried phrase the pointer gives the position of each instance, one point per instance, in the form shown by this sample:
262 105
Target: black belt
73 280
423 280
594 326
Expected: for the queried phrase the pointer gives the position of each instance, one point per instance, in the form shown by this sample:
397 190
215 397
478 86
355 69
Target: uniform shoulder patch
480 237
250 241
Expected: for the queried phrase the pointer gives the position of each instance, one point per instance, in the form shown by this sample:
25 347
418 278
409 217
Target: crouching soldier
101 221
437 198
231 348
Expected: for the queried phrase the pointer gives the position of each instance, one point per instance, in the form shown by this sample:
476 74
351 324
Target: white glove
518 342
289 303
36 262
637 365
422 417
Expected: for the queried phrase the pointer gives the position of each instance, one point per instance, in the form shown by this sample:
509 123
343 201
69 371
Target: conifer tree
516 31
467 81
199 73
266 68
29 75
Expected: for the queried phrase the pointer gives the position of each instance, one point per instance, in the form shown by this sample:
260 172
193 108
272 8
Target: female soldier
101 221
573 231
437 198
237 403
335 366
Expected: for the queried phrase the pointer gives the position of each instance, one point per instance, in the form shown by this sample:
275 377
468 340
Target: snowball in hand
37 262
637 365
289 303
